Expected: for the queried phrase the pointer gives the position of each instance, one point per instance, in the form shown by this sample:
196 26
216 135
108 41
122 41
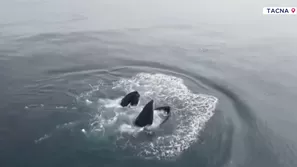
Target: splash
46 136
190 114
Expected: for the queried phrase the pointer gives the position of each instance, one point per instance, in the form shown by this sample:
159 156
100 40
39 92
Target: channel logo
279 10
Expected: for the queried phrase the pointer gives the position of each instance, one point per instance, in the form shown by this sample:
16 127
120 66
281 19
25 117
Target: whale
146 116
131 98
164 108
167 109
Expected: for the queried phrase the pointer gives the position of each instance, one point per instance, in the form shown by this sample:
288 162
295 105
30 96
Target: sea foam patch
190 112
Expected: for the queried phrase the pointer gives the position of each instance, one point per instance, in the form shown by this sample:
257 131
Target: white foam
31 106
61 107
126 128
190 113
66 125
46 136
88 102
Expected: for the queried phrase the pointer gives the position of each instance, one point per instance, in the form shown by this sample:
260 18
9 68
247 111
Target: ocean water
227 71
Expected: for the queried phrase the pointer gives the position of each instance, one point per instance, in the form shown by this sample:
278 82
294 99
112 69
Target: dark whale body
131 98
167 110
146 116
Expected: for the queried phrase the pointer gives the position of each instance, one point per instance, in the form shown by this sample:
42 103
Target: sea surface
228 72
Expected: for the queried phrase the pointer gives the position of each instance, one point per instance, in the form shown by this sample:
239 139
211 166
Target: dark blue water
228 72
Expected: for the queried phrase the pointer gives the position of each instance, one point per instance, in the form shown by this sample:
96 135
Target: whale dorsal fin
146 116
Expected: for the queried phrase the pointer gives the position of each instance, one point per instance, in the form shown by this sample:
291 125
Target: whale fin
164 108
146 116
167 110
132 98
